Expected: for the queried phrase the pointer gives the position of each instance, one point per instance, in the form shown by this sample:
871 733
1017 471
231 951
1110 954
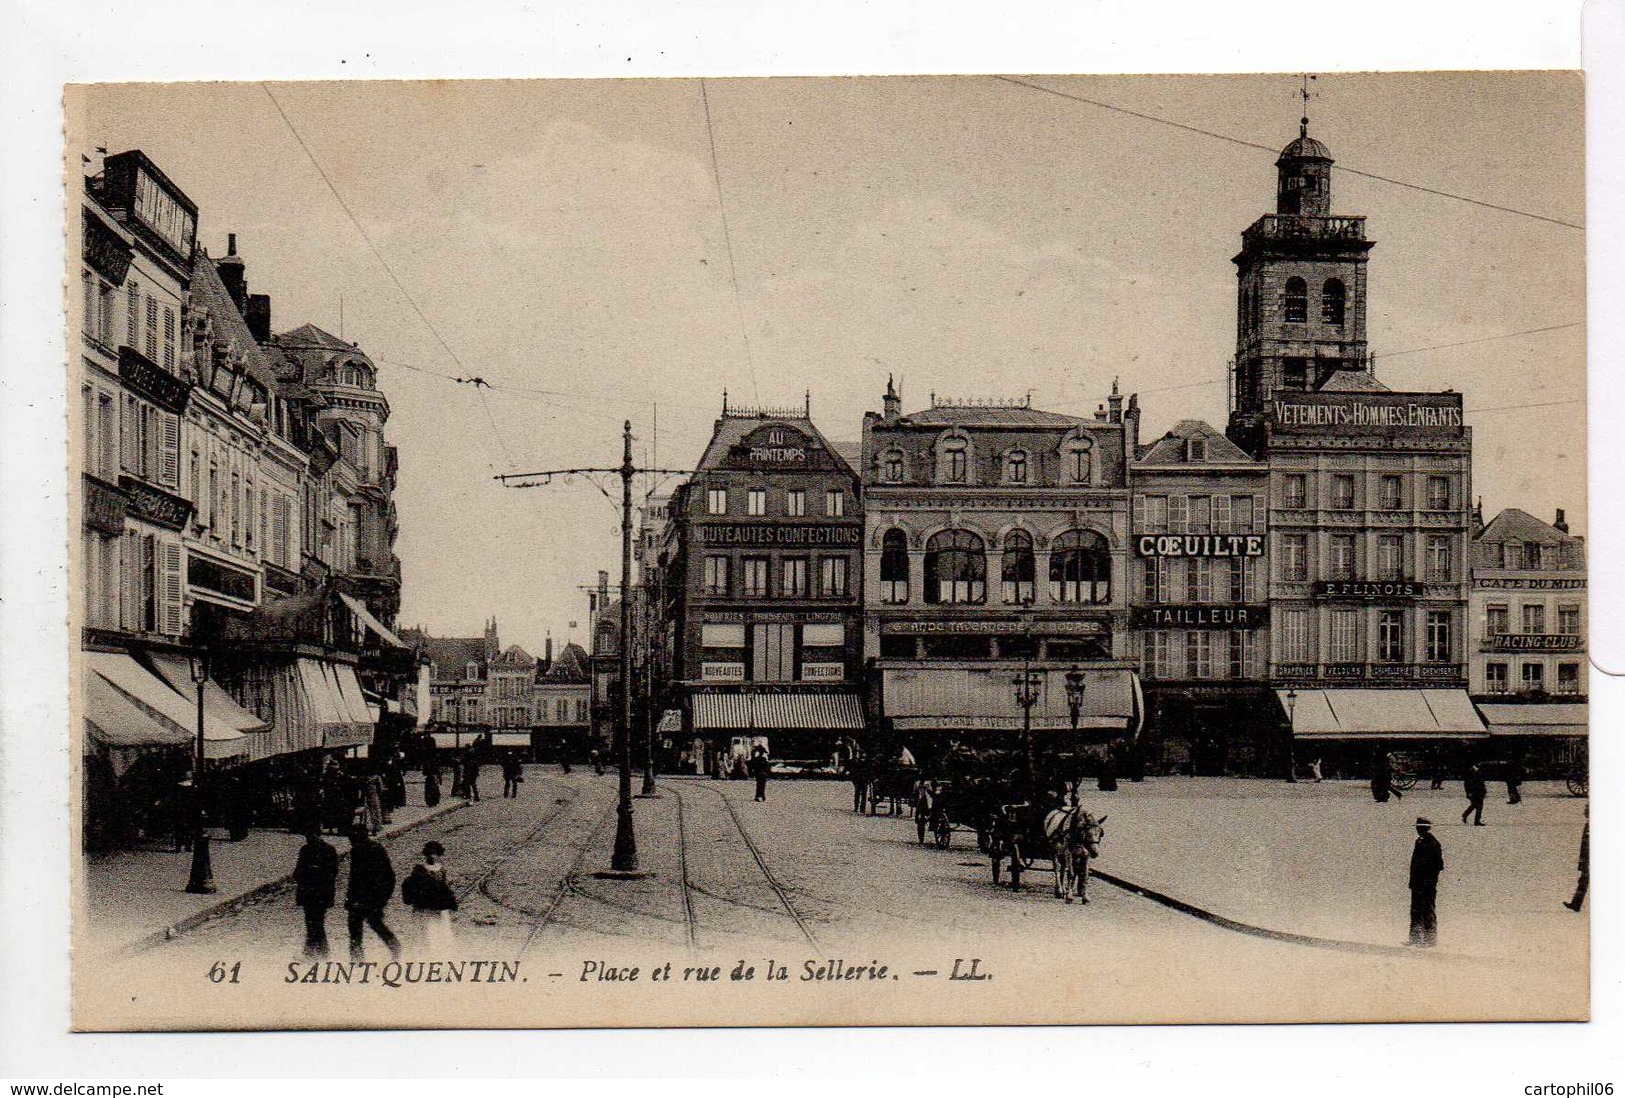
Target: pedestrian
431 783
315 884
564 756
187 813
1584 867
924 800
1314 769
427 891
1514 780
759 768
373 794
1106 780
513 772
597 761
1427 862
471 774
1473 786
1382 781
1437 781
371 884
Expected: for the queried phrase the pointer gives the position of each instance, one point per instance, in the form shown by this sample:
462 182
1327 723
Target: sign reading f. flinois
1367 413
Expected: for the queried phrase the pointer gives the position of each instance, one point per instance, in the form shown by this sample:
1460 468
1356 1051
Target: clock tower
1300 291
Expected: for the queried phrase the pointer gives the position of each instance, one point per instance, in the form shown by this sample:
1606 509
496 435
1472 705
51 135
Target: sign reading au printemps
1200 545
776 448
1367 413
770 535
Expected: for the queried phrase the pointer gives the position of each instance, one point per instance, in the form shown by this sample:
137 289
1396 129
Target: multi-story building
1369 519
762 590
561 699
509 705
958 491
1527 652
459 672
1199 601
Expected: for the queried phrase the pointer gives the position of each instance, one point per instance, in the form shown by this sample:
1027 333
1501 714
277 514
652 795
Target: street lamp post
1027 686
1291 734
202 877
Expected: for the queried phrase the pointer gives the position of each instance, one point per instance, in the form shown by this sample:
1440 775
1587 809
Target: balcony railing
1279 227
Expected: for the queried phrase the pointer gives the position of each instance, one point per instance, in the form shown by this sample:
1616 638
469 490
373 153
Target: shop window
894 567
1082 649
955 568
1017 569
897 648
1018 648
1080 568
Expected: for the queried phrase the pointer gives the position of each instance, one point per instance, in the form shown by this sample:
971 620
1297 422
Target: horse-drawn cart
1067 837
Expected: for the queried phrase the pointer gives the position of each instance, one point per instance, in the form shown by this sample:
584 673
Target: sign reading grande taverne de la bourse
1367 413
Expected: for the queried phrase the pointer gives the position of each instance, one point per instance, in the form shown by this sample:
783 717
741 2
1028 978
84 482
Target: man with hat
372 883
1427 862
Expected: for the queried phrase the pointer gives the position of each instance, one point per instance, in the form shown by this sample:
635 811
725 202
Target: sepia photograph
825 551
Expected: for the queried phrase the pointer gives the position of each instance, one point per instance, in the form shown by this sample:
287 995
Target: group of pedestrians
371 886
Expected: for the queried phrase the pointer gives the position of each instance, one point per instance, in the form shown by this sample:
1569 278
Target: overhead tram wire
1244 143
727 240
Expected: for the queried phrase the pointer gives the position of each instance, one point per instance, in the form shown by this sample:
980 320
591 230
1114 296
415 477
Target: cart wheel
1578 785
1404 782
982 842
945 835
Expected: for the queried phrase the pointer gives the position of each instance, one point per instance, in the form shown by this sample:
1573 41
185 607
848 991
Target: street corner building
237 532
996 541
1369 521
761 553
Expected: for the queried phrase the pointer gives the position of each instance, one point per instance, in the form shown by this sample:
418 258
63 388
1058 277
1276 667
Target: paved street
801 876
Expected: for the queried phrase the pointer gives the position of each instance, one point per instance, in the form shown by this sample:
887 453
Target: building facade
1199 593
996 537
763 551
1369 518
1527 651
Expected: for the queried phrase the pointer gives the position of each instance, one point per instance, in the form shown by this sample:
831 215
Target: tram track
566 882
761 864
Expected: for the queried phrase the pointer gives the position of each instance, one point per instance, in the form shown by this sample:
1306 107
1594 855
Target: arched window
1018 569
1297 300
1332 298
955 460
1075 459
1015 467
894 567
1080 568
955 568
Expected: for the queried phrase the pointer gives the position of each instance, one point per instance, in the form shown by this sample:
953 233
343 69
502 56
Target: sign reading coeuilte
1200 545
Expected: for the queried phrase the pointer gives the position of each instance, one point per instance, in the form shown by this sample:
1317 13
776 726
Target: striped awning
175 671
769 712
1537 719
171 718
1381 714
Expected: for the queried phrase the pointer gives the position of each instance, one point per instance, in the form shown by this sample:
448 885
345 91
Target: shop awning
175 671
769 712
670 721
1381 714
454 739
330 707
510 739
363 717
114 719
372 624
1537 719
971 698
162 707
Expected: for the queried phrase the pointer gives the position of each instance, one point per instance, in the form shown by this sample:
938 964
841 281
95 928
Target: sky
598 253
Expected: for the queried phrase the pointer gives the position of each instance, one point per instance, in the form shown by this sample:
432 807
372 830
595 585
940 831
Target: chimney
258 316
549 650
1100 414
1478 517
231 274
492 646
603 590
892 403
1115 404
1131 420
1561 523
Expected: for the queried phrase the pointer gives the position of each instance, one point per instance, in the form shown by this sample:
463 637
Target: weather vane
1304 93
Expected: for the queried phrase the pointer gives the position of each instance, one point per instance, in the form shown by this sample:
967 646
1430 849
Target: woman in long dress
428 891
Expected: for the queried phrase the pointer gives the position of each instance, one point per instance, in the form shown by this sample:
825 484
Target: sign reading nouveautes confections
769 535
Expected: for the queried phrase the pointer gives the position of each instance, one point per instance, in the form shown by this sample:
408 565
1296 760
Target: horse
1074 837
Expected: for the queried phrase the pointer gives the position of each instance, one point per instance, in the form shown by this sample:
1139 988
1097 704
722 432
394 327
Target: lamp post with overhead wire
624 860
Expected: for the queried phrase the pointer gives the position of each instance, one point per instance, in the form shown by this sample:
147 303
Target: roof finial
724 401
1303 92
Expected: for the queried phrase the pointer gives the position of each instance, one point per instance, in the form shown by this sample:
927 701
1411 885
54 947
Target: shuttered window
170 595
152 328
169 450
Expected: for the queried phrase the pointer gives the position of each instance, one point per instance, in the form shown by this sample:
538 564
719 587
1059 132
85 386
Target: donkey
1074 837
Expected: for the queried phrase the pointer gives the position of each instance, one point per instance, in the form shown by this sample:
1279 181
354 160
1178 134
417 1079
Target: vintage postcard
840 551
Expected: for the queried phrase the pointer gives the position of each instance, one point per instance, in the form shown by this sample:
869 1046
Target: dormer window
954 461
1015 467
891 467
472 671
1196 449
1077 456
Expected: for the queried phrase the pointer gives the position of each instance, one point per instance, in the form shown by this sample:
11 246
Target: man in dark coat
1584 867
1514 779
1427 862
372 883
1473 786
471 773
315 884
759 768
